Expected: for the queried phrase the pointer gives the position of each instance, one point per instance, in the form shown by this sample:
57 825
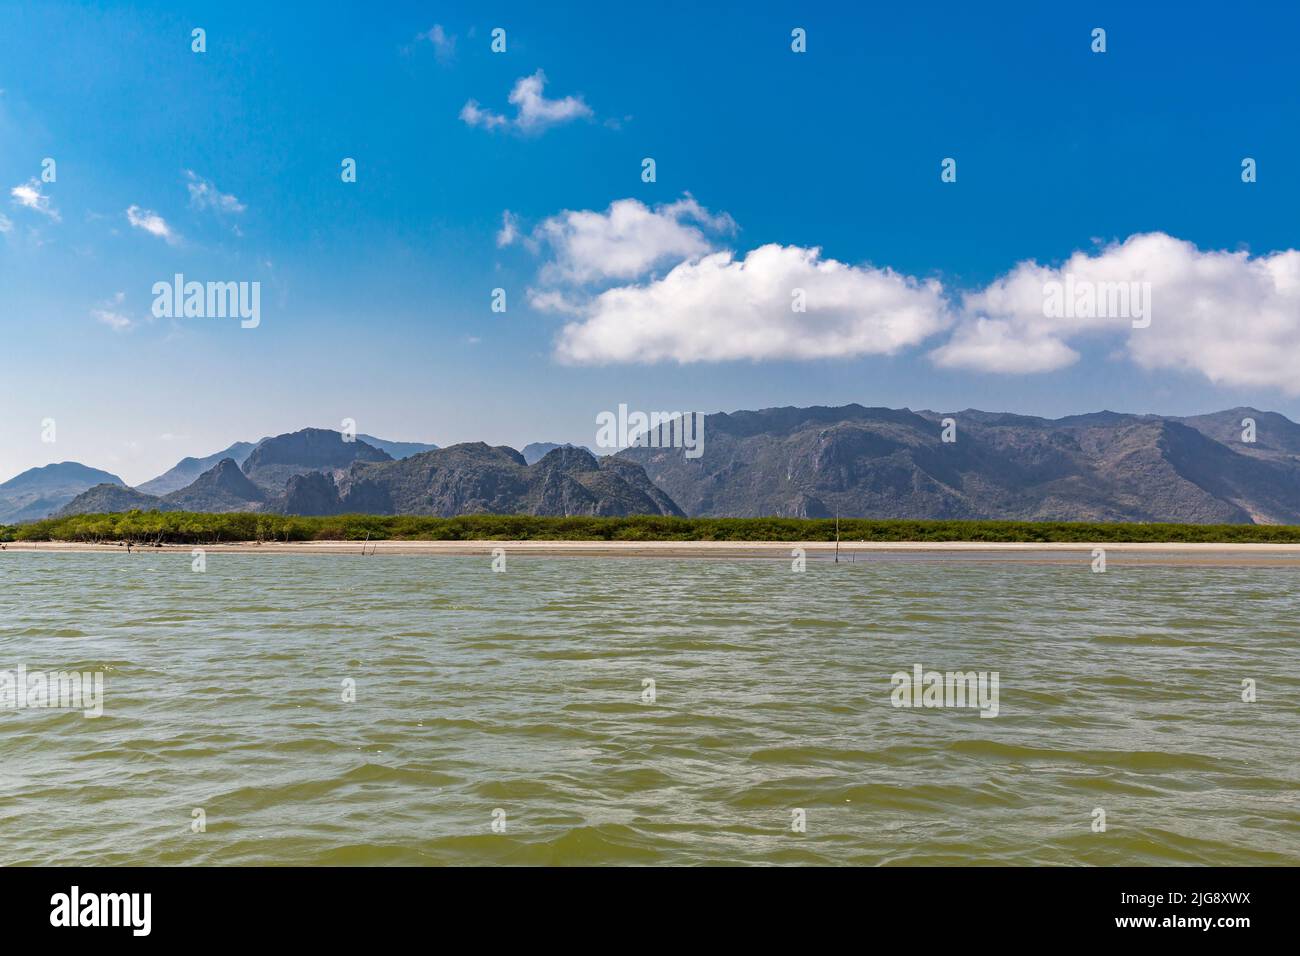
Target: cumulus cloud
1228 316
533 111
1160 301
29 195
626 240
204 194
152 223
536 111
720 308
992 344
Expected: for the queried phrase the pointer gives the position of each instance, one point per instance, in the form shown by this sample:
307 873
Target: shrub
181 527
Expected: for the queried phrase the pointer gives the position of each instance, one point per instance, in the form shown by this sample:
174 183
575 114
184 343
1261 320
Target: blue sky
375 295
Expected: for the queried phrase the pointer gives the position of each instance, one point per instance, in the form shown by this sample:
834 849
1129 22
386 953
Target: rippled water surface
522 692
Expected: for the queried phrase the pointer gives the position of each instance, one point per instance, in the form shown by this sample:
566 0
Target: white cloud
473 115
718 308
29 195
6 224
626 240
1225 315
553 300
712 306
109 314
204 194
114 320
444 45
152 223
1228 316
533 111
536 111
993 344
509 230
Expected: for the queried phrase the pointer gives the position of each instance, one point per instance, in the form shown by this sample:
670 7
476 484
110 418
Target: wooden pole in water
837 535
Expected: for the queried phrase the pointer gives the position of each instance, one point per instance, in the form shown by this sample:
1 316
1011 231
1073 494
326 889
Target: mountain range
318 472
187 469
888 463
799 462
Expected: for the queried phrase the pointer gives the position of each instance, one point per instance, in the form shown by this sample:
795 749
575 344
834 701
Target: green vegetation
183 527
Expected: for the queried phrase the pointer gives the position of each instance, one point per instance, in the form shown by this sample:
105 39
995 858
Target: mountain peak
272 463
313 447
39 492
108 498
187 469
568 458
60 474
534 452
224 487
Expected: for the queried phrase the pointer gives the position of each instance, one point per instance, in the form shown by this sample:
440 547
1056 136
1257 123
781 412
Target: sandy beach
1146 552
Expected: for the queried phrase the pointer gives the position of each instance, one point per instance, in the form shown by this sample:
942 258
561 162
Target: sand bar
1145 552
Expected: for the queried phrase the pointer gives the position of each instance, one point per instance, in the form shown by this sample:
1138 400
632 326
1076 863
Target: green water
522 692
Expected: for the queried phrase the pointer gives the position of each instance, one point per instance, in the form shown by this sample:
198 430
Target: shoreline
1160 552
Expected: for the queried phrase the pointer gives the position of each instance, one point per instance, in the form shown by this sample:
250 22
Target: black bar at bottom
332 906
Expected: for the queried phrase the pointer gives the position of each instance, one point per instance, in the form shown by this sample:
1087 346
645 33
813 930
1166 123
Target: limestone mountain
474 478
462 479
1276 436
39 492
398 449
534 452
222 488
311 494
187 469
811 462
106 498
275 460
888 463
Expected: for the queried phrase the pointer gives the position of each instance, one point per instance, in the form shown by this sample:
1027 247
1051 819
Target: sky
781 178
